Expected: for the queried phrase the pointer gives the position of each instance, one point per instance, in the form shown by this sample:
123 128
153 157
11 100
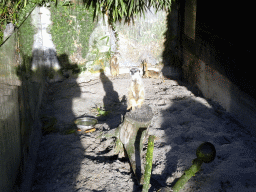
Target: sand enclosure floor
181 122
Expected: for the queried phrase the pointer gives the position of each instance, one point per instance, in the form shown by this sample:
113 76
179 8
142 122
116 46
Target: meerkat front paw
132 107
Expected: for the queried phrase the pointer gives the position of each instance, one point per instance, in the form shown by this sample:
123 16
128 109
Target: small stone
160 102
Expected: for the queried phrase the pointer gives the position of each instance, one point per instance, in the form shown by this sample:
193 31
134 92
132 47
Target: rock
160 102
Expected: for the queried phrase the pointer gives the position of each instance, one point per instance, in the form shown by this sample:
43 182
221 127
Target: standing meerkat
136 94
149 73
114 66
144 67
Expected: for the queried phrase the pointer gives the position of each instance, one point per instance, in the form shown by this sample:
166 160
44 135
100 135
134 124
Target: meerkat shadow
111 96
111 102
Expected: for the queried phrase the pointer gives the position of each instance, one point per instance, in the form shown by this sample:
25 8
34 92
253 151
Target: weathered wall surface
217 87
10 139
203 66
20 98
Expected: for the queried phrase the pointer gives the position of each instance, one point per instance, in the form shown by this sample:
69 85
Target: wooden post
133 133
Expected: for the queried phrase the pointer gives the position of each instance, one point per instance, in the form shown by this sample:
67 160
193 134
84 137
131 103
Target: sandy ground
182 121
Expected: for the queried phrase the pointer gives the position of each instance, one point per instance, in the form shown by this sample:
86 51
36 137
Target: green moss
148 166
71 29
87 26
187 175
25 40
26 37
62 30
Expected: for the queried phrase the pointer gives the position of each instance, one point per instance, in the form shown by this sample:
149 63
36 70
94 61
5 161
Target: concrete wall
215 86
20 99
202 66
10 139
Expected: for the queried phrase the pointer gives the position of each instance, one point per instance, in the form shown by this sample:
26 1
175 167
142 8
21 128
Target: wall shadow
179 125
111 95
117 110
188 122
30 93
178 120
54 107
172 62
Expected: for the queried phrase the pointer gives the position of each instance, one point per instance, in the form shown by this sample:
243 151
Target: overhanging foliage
127 9
14 11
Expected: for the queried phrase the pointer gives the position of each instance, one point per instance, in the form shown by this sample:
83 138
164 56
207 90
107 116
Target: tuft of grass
102 112
69 131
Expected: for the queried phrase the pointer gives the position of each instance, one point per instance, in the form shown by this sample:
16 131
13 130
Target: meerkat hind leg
132 104
141 98
140 102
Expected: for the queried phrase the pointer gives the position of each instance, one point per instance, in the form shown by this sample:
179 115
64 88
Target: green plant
99 59
205 153
69 131
108 54
101 111
105 37
148 166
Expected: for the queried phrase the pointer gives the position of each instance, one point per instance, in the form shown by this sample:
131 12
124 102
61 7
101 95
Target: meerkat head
135 73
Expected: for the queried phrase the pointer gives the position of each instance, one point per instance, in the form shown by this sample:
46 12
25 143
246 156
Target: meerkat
136 94
149 73
114 66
